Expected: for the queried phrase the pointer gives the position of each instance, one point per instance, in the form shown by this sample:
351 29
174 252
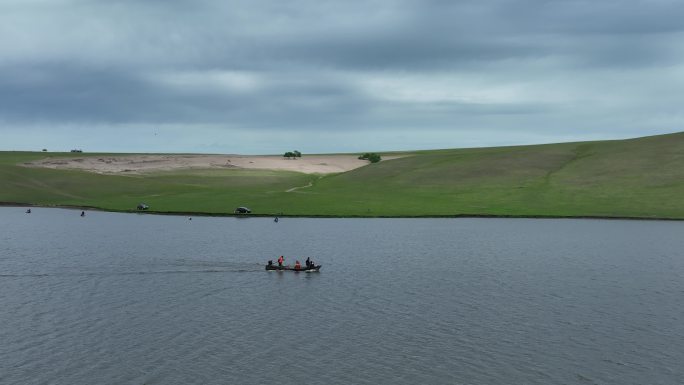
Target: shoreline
445 216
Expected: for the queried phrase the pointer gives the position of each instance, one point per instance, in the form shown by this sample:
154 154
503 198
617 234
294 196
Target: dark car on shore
242 210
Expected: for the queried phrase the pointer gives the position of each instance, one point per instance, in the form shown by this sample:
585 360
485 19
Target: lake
148 299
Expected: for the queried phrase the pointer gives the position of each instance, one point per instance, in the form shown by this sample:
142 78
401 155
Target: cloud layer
262 75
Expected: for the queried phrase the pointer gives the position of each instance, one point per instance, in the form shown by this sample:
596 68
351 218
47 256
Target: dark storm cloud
532 67
594 17
64 92
457 35
59 92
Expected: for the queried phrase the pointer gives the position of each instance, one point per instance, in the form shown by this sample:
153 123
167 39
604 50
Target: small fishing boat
312 269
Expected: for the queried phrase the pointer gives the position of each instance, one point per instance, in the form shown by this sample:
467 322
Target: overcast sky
266 76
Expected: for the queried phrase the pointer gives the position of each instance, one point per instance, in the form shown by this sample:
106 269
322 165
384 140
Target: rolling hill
640 178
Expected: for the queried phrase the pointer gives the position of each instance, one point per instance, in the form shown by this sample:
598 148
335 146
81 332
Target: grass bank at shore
635 178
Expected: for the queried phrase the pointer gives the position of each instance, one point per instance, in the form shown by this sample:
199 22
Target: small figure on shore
281 260
83 213
297 265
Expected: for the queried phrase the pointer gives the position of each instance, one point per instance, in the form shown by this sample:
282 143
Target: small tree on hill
293 154
371 157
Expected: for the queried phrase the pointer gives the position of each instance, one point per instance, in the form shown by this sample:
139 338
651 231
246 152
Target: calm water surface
144 299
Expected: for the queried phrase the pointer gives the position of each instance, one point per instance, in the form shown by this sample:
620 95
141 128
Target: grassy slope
204 191
641 177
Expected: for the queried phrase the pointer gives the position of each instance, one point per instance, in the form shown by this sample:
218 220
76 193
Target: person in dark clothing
308 262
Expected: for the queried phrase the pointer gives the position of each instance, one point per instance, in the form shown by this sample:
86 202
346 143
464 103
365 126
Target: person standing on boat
297 265
280 261
308 262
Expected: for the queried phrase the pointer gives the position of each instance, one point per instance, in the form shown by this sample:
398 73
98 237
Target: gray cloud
445 72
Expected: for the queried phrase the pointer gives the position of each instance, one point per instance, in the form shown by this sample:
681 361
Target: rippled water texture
144 299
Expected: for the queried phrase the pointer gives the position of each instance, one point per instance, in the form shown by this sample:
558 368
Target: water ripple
128 299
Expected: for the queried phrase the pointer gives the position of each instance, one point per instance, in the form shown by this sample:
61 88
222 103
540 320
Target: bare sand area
138 164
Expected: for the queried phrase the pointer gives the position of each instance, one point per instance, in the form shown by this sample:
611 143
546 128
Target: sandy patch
138 164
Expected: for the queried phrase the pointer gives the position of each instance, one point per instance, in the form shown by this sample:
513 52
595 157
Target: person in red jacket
297 265
280 261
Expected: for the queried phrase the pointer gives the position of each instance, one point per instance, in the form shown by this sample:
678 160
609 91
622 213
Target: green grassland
640 178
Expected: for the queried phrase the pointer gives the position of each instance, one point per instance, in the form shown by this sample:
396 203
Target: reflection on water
114 298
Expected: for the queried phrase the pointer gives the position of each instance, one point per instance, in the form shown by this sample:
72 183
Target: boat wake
114 273
176 267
